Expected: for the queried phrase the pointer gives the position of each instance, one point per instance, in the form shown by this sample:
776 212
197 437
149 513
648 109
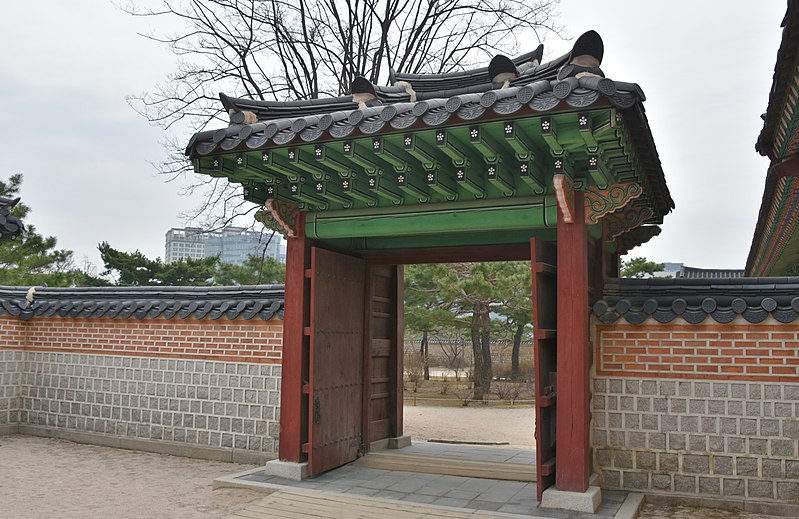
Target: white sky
66 67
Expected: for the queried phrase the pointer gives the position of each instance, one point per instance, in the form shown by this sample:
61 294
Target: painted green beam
520 216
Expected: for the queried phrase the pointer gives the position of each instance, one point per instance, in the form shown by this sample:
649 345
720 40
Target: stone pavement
466 494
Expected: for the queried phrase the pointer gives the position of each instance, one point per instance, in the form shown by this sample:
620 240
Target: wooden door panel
543 262
336 359
383 352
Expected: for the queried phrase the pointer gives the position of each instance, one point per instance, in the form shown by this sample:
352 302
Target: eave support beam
353 189
468 178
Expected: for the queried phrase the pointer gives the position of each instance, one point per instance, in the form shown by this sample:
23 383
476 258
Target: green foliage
255 271
32 259
640 268
135 269
439 296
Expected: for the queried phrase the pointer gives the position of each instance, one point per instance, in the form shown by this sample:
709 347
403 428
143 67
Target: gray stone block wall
196 402
11 366
709 439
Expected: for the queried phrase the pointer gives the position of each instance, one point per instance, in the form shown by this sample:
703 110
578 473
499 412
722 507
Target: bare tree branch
304 49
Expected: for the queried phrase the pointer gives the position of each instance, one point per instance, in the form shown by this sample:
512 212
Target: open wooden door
545 311
382 414
336 360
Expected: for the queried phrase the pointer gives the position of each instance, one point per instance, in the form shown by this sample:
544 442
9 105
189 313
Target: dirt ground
42 477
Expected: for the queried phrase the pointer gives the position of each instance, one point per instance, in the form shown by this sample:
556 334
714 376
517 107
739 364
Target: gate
336 359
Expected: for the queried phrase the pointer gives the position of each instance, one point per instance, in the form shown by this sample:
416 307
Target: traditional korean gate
336 359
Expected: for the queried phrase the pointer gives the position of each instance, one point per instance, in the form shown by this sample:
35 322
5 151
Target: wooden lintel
475 253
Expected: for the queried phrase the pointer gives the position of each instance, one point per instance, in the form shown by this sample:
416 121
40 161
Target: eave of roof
786 70
293 150
694 300
262 302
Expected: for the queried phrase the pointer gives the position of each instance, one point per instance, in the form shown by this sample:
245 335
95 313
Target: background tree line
34 260
482 302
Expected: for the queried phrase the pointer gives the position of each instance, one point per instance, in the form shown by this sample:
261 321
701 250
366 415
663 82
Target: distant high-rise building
186 243
232 244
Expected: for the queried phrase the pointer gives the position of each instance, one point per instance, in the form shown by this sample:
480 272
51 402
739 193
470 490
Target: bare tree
453 349
304 49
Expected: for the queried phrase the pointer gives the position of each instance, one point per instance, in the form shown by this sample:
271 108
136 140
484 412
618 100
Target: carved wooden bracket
564 193
279 215
599 202
630 218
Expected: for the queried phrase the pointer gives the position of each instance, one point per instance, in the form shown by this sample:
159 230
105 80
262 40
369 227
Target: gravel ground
42 477
495 424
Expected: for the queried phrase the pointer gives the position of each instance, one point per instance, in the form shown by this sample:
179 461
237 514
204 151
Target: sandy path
513 425
42 477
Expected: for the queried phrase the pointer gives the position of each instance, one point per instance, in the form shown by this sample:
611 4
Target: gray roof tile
248 302
755 299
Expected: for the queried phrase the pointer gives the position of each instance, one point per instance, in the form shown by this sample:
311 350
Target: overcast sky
66 67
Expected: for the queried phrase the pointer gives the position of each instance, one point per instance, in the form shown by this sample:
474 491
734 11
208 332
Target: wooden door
383 353
544 261
336 360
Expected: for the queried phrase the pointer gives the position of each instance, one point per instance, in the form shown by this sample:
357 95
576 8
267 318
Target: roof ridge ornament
585 57
363 92
10 226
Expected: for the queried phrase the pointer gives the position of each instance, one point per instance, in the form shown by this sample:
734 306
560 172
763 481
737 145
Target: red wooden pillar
293 402
573 449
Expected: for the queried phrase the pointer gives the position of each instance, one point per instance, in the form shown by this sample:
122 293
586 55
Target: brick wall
705 411
203 383
714 352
